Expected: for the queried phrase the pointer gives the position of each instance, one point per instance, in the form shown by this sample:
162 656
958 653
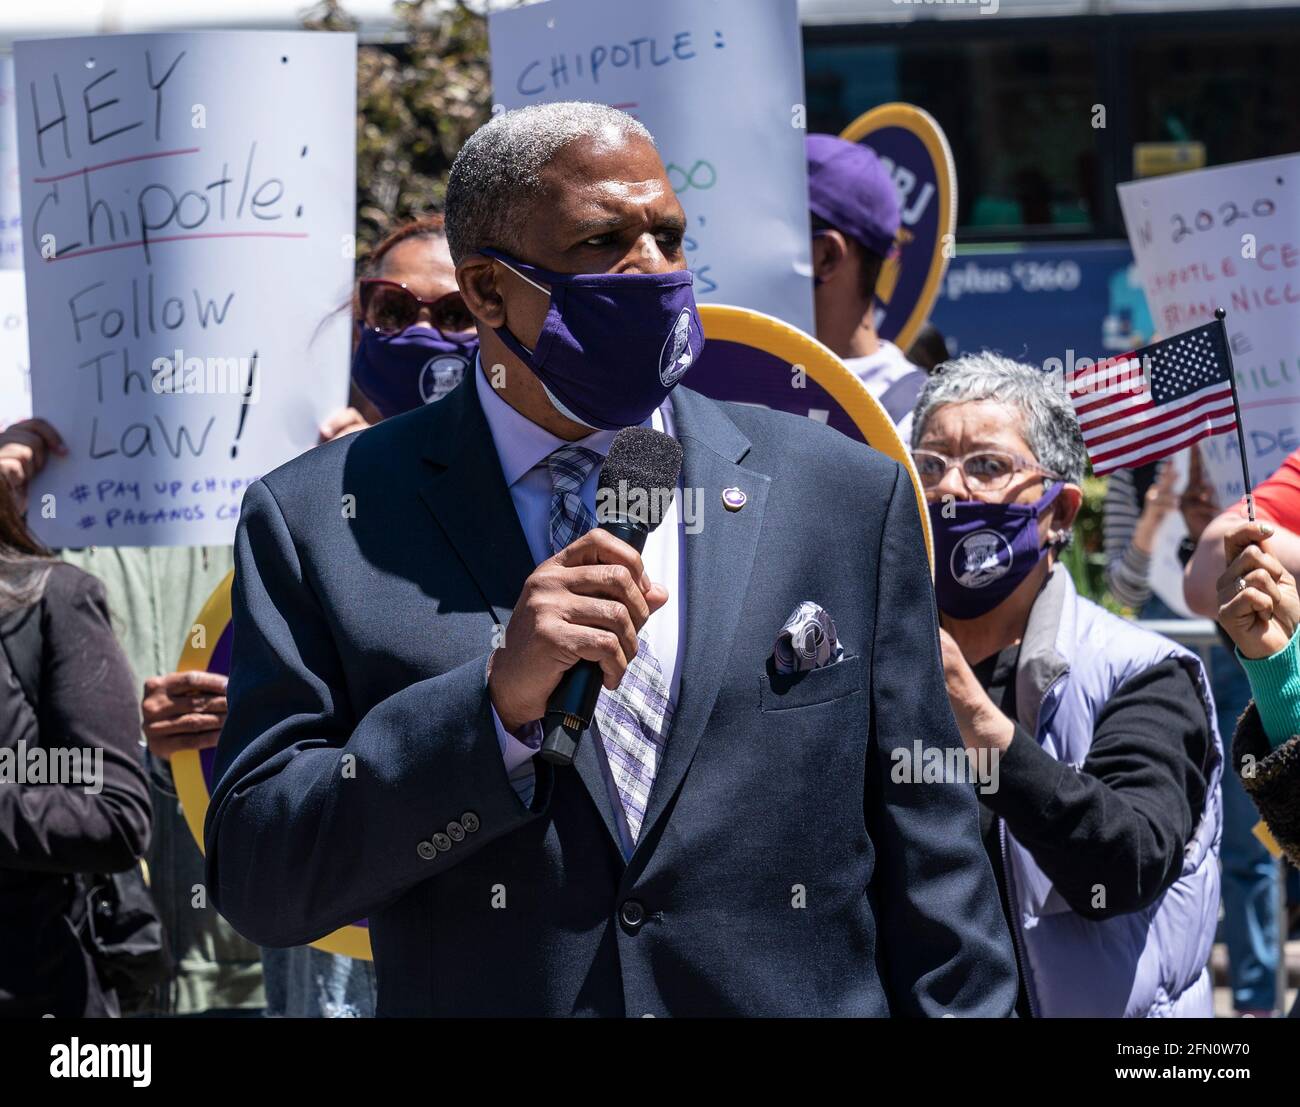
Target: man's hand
1258 606
978 718
183 711
24 448
344 421
586 603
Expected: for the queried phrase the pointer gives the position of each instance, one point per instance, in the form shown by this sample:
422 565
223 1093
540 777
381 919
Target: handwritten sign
187 237
913 148
720 86
15 388
1230 237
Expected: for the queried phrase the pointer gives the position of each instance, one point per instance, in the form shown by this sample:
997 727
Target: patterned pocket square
807 640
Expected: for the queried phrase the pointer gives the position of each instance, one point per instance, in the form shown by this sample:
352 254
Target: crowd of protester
1128 777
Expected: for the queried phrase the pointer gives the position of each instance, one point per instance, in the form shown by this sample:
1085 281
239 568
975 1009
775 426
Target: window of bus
1233 89
1017 110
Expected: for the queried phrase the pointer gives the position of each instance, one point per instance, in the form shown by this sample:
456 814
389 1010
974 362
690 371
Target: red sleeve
1278 498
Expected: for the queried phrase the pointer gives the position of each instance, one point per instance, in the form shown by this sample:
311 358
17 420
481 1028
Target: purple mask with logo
613 345
400 372
983 551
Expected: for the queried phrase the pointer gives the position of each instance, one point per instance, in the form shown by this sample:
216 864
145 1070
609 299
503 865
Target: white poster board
188 207
11 240
1230 237
15 389
720 86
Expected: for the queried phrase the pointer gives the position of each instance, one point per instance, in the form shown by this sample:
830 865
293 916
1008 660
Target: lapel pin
733 499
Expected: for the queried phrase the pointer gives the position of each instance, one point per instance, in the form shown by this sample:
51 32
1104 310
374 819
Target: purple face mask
400 372
983 551
613 344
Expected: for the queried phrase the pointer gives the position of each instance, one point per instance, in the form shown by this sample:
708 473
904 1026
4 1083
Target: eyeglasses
389 307
984 470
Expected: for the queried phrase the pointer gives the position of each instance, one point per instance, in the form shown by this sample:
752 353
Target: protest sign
186 251
1229 237
720 86
912 146
15 390
208 650
752 358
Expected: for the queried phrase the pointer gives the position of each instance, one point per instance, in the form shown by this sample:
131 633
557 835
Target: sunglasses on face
389 307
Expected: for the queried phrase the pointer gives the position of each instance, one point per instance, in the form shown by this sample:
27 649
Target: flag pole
1220 315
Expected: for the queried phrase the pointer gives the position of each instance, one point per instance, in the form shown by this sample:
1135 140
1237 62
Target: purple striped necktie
633 719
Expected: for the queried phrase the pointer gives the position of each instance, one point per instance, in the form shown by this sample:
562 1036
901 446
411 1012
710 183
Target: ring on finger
1239 585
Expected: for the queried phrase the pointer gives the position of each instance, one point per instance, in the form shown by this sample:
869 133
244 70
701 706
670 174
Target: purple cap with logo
850 189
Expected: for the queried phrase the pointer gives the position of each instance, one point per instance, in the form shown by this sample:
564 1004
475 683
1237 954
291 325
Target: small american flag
1153 402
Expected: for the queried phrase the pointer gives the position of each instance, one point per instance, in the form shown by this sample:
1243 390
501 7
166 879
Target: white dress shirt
523 448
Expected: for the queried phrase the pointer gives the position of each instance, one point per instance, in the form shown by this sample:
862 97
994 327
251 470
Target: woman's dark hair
24 562
427 226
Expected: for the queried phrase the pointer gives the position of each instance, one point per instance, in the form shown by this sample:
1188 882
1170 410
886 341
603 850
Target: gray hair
499 168
1047 420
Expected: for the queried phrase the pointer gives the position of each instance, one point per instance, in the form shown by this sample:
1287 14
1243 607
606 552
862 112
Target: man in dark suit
730 840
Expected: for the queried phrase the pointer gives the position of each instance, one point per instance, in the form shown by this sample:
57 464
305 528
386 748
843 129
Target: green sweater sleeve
1275 684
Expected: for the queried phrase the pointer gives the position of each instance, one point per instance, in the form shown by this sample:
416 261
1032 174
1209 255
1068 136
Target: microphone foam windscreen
639 477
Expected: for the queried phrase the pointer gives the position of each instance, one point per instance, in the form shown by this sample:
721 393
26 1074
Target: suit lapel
719 560
464 488
466 491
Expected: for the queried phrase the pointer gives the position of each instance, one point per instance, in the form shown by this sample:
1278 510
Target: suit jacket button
455 831
442 842
426 851
469 821
632 914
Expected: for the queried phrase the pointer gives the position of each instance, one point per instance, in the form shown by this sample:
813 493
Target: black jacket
86 700
1271 778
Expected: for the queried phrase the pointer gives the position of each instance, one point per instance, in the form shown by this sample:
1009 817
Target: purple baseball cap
850 189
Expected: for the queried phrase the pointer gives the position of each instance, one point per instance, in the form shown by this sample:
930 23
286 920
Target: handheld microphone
635 488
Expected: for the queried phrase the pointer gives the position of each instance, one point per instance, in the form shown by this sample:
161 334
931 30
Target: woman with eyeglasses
1102 819
415 338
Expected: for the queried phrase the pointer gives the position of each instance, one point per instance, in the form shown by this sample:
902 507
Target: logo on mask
440 375
980 558
677 354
